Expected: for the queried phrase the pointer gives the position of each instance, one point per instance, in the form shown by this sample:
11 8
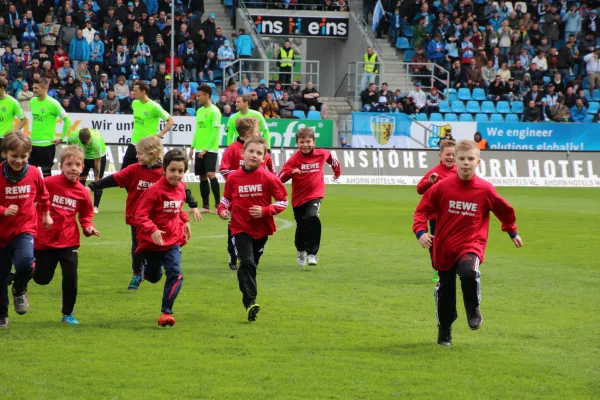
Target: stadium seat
402 43
464 94
517 107
408 30
408 55
215 98
496 118
191 111
503 107
589 118
586 83
595 95
421 117
481 118
488 107
473 107
213 86
194 87
466 117
449 91
436 117
587 94
89 107
458 106
546 79
445 107
593 107
452 97
299 114
512 118
451 117
312 114
479 94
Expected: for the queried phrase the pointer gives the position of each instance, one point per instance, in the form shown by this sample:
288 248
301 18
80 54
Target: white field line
285 224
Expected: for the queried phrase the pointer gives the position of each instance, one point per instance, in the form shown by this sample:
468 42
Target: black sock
97 197
204 192
214 186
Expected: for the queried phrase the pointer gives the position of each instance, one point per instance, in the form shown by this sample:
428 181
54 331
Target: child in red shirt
232 160
444 169
60 243
21 186
136 178
247 200
163 228
305 168
462 206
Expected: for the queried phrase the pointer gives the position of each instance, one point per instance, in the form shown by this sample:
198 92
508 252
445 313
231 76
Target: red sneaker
166 320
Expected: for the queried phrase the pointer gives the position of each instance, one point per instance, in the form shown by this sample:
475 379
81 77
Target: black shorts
89 164
42 156
206 164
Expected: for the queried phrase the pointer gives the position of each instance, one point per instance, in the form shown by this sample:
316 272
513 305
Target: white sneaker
21 304
96 210
302 258
312 260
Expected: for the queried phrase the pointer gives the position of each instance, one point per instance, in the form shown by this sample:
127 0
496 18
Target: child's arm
42 198
142 216
225 167
279 193
287 171
335 165
193 204
426 207
225 205
426 182
86 217
118 179
506 214
269 163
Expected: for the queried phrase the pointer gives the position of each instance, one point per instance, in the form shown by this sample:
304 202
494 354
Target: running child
462 205
163 228
305 168
21 186
232 160
136 178
444 169
247 201
60 243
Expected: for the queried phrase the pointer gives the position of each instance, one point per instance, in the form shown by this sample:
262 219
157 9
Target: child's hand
91 231
426 240
225 214
197 214
432 178
157 238
296 171
11 210
256 211
187 230
47 220
518 242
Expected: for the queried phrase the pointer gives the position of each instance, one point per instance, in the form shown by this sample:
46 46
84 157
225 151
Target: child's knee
21 261
153 277
42 280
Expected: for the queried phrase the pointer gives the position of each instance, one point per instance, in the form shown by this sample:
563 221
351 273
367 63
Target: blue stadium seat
408 30
546 79
194 87
517 107
586 83
589 118
436 117
451 117
587 94
89 107
299 114
503 107
481 118
473 107
488 107
215 98
408 55
312 114
464 94
512 118
595 95
466 117
191 111
402 43
452 97
496 118
217 75
479 94
458 106
421 117
593 107
445 107
213 87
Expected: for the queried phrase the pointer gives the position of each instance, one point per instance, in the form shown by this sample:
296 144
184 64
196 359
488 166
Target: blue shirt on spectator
79 49
578 115
244 45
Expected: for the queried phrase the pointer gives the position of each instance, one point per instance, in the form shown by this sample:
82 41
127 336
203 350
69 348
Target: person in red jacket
163 228
21 186
305 168
232 160
60 243
247 200
137 178
462 206
444 169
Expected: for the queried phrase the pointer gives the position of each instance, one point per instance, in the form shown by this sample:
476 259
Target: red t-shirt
442 171
462 209
161 208
66 200
309 184
136 178
233 160
24 194
245 189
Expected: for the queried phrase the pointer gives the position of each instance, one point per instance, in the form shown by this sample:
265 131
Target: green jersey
9 110
146 117
45 114
232 133
96 148
208 129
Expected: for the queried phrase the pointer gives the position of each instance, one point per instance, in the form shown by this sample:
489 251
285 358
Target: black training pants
467 268
249 251
45 265
130 156
90 164
308 227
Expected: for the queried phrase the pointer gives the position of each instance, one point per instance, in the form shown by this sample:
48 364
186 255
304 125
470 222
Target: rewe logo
250 188
18 189
463 206
143 185
172 204
64 201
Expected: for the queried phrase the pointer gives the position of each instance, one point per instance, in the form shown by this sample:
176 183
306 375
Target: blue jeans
19 253
171 261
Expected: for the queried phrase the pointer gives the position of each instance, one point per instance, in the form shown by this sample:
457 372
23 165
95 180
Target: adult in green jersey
9 110
45 111
242 105
146 118
206 146
94 149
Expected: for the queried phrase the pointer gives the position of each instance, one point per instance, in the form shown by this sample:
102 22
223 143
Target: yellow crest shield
382 127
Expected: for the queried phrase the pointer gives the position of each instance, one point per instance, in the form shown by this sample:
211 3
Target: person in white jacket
540 61
419 96
89 31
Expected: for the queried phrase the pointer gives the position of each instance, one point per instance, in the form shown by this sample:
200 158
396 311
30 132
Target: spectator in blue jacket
96 51
218 40
572 20
29 30
578 112
244 47
79 49
436 50
152 6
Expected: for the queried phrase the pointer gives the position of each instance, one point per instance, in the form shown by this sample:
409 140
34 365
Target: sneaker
166 319
70 319
21 303
436 277
233 262
253 312
4 323
445 336
96 210
475 320
136 279
302 258
312 260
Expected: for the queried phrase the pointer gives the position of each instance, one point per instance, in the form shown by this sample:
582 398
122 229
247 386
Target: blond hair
467 145
71 151
255 139
16 141
446 143
151 145
246 126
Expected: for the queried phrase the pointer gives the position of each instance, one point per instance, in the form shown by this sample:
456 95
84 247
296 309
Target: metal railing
302 5
254 34
269 71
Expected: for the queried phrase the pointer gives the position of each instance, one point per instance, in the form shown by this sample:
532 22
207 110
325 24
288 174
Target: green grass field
359 326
